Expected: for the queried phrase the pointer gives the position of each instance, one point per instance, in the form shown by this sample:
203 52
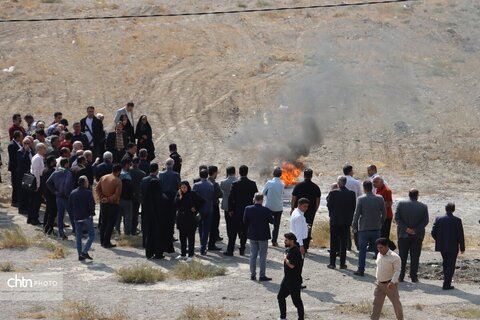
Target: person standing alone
273 190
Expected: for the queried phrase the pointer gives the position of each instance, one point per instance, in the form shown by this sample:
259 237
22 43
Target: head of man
51 162
277 172
213 172
18 136
172 147
367 186
27 144
116 169
83 182
77 145
40 135
57 117
55 141
382 246
68 136
202 167
17 119
154 169
135 162
40 125
307 174
303 204
65 153
81 161
119 126
204 174
126 164
413 194
230 171
341 181
371 170
169 164
450 207
378 182
143 154
290 240
77 129
100 116
243 170
88 156
28 119
64 163
41 149
348 170
130 106
107 157
258 198
132 148
90 112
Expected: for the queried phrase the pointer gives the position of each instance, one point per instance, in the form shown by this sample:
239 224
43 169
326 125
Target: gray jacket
226 186
370 212
411 214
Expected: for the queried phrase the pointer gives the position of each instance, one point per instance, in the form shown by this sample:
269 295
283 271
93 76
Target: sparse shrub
262 3
466 313
141 273
7 267
58 250
84 310
321 234
13 238
35 312
196 271
130 241
241 5
191 312
362 307
51 1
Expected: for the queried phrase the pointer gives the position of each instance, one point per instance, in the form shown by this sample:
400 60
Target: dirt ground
395 85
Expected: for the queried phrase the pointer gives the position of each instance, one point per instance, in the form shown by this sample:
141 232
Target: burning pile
290 174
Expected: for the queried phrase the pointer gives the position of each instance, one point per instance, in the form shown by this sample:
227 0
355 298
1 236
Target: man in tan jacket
109 190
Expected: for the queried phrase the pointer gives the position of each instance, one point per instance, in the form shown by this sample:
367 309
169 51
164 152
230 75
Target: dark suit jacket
111 140
137 177
411 214
448 234
341 206
241 195
97 128
77 172
102 169
12 156
24 162
257 218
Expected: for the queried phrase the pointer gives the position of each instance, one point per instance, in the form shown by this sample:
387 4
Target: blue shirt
273 190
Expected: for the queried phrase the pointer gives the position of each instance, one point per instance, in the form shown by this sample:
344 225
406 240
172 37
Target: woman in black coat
186 203
143 133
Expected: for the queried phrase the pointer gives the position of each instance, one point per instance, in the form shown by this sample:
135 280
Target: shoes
303 287
282 318
158 256
180 257
331 266
215 248
359 273
242 252
81 258
228 254
414 280
63 237
253 278
343 266
401 279
448 288
219 239
203 252
275 244
265 278
109 245
35 223
190 259
174 239
87 256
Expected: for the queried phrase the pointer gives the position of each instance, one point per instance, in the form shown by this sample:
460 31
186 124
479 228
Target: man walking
273 190
204 189
370 213
214 231
225 186
341 204
257 219
170 181
412 218
82 206
448 234
241 195
298 223
292 280
388 271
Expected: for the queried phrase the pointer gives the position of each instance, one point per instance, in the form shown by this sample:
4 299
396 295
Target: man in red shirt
382 189
17 120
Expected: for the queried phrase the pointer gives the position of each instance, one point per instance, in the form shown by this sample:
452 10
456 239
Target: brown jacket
110 188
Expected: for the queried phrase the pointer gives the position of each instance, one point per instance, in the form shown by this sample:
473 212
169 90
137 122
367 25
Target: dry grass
51 1
196 271
241 5
321 234
13 238
419 307
35 312
191 312
362 307
466 313
130 241
141 273
262 3
7 267
57 250
84 310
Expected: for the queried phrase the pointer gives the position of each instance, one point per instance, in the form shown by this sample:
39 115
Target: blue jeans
258 247
91 235
204 229
62 206
365 237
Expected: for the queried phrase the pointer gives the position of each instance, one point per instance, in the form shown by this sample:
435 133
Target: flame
290 174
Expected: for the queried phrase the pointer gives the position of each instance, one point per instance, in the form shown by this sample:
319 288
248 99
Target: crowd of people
70 170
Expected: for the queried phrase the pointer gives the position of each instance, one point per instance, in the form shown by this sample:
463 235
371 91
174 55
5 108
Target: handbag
29 182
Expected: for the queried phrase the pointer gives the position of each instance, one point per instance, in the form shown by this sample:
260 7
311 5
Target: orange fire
290 174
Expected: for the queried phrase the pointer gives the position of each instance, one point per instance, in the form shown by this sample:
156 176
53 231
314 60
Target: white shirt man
354 185
298 224
37 164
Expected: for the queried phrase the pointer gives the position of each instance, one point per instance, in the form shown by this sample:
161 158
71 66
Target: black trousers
385 233
109 218
15 186
293 291
413 246
237 227
338 243
135 213
449 261
214 232
309 217
24 198
34 205
277 218
187 236
50 213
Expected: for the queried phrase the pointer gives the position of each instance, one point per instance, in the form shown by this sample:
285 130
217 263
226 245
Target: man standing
383 190
126 199
117 142
37 170
298 223
352 183
257 219
214 231
226 185
204 189
13 147
50 199
370 213
82 205
16 125
129 126
105 167
273 190
308 190
241 195
341 204
137 177
78 135
388 271
93 128
292 280
448 234
144 163
24 162
412 218
109 190
177 166
170 183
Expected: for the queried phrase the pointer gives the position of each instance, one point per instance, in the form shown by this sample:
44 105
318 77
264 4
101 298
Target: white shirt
298 226
388 267
273 190
88 123
37 167
354 185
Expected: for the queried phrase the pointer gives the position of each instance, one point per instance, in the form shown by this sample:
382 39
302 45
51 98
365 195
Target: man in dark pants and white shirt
370 214
412 218
448 234
273 190
292 280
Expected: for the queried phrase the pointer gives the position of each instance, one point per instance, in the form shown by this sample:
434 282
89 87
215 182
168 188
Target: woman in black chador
143 133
